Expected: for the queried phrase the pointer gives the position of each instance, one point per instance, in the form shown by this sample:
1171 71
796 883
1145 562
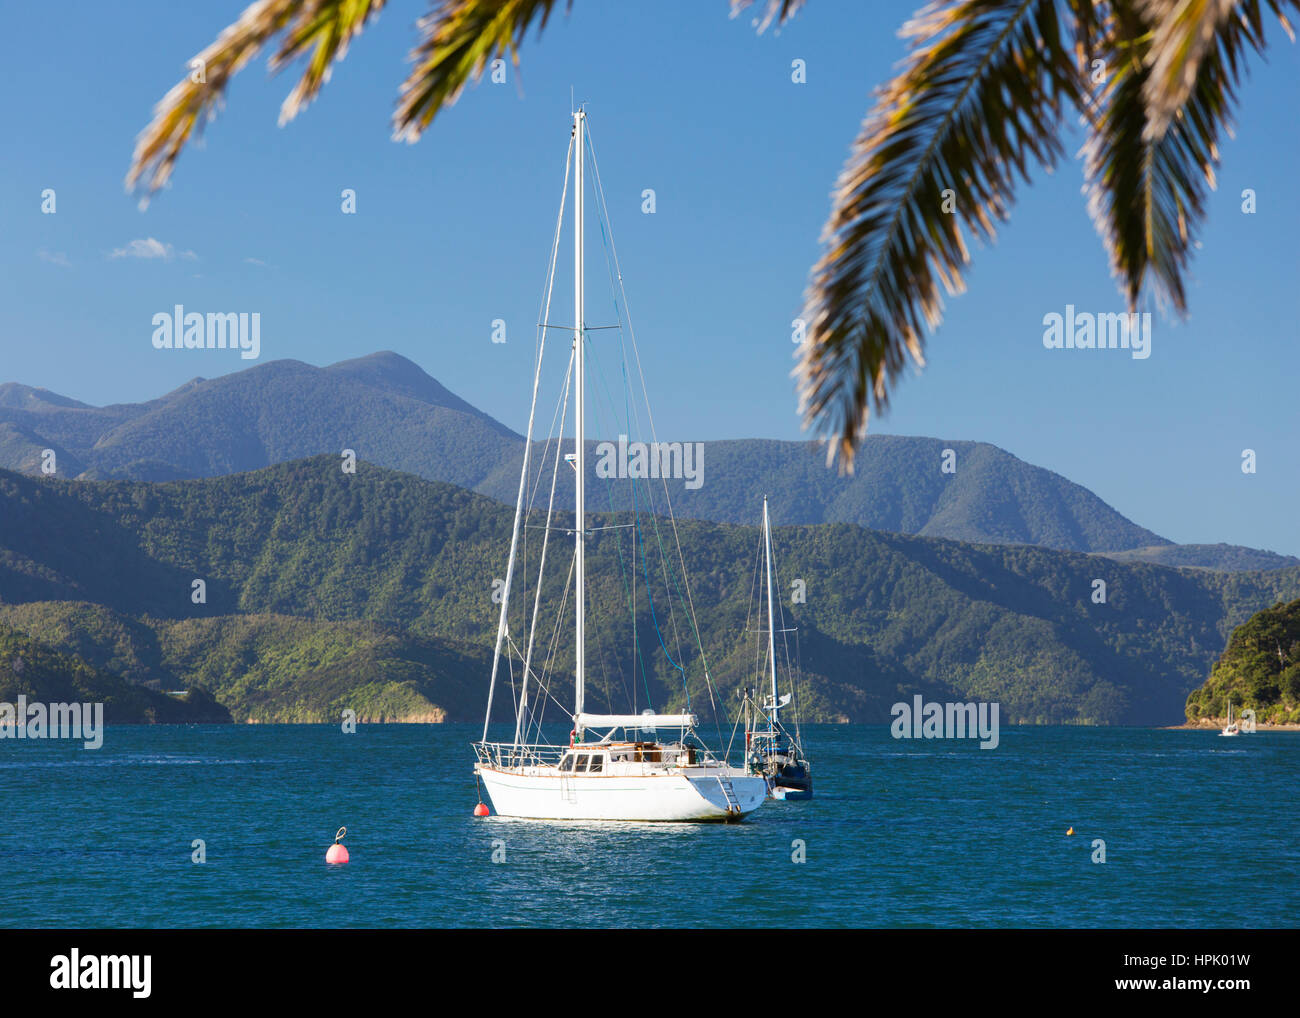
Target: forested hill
32 668
886 615
1259 670
390 412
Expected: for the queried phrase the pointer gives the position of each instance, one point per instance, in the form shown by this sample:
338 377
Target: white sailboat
773 750
1232 727
623 767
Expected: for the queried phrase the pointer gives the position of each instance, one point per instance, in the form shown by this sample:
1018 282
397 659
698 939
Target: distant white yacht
1232 727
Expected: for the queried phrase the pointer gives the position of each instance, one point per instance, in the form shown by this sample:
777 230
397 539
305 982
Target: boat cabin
590 760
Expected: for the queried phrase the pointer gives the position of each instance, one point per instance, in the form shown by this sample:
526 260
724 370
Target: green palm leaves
979 99
1169 86
979 103
325 27
458 40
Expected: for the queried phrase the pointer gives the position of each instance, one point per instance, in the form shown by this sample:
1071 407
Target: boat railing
516 754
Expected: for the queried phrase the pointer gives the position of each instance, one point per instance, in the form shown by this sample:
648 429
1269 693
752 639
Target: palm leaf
978 100
779 11
1146 187
460 39
326 25
329 26
1183 32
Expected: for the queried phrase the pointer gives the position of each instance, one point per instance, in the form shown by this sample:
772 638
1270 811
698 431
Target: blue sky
454 232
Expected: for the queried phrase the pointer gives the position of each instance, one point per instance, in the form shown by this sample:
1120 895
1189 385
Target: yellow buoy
1070 831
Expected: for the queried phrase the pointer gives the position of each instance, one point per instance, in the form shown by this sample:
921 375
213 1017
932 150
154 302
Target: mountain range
324 590
393 414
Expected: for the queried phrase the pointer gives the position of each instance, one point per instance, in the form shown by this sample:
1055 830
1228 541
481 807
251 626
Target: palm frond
1146 189
779 11
327 25
1183 32
1085 17
979 98
460 39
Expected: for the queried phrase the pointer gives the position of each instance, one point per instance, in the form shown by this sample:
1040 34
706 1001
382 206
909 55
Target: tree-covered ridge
899 484
270 668
394 414
886 615
1231 558
1259 670
31 668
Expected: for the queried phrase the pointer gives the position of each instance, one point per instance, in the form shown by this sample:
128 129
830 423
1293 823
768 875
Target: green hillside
1227 557
1259 670
897 485
886 616
271 668
32 668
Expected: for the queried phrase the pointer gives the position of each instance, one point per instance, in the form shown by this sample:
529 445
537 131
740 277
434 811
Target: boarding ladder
729 793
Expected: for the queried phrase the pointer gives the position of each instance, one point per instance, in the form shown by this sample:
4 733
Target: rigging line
523 474
549 696
553 649
791 670
544 313
600 191
546 450
515 647
510 667
650 598
603 207
638 658
756 598
546 309
606 242
602 659
669 574
794 694
600 421
502 624
546 537
559 414
537 715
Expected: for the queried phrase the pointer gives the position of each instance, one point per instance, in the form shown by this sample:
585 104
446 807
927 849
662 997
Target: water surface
1199 831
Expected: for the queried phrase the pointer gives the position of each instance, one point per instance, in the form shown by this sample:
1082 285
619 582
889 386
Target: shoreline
1211 724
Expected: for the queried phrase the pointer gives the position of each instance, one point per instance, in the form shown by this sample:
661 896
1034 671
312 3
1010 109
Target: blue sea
1199 831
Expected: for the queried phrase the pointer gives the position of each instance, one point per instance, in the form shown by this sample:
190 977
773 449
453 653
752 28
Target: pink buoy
337 852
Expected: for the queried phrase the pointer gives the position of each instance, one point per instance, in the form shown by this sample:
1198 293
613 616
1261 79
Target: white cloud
150 247
255 261
54 258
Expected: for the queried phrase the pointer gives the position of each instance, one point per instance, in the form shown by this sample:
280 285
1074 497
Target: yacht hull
541 794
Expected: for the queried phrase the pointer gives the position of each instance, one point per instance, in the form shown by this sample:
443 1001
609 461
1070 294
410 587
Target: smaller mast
771 618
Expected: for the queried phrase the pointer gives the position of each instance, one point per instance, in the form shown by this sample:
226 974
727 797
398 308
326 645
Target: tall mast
771 618
579 327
